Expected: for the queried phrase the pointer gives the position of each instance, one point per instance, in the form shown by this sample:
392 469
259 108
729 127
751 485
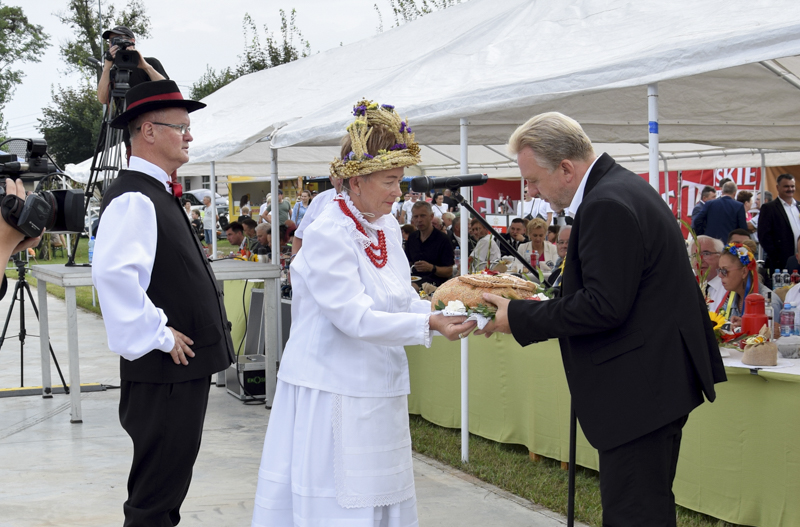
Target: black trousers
165 422
636 479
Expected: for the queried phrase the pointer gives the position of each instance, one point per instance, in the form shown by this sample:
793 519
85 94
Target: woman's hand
453 328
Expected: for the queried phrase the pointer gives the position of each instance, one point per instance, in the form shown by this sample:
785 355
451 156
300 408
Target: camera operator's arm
152 72
104 85
11 240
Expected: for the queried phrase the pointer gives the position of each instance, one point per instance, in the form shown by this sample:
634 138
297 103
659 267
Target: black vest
183 285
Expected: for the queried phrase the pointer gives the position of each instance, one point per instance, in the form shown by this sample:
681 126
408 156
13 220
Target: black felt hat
153 95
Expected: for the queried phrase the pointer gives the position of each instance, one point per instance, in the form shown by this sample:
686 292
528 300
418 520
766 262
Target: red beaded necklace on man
377 254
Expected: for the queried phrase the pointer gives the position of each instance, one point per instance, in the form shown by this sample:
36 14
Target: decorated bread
469 289
758 351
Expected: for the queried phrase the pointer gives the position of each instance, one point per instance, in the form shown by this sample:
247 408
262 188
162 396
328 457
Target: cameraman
149 68
11 240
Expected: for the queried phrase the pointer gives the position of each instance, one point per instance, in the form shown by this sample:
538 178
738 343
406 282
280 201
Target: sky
186 35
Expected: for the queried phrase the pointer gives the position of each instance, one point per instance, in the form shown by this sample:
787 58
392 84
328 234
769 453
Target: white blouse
350 319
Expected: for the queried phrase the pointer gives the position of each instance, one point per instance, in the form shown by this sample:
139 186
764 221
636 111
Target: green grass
510 468
83 295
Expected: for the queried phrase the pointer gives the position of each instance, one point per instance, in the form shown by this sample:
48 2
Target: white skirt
333 460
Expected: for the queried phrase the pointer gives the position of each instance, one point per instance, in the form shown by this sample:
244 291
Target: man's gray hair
729 188
263 227
718 244
422 203
553 137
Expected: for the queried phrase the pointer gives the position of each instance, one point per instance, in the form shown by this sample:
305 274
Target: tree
409 10
81 16
257 57
20 41
71 125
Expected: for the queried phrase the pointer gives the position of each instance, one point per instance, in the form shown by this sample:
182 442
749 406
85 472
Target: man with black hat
149 68
163 312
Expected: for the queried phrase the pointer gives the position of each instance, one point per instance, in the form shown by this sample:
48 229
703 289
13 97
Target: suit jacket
636 340
719 217
775 234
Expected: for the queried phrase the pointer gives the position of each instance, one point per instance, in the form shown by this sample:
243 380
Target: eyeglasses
724 272
562 242
182 128
706 254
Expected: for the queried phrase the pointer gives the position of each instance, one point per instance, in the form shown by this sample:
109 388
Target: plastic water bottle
787 278
796 313
795 277
770 315
457 258
787 320
535 258
91 248
777 279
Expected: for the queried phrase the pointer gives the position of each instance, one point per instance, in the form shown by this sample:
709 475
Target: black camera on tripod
54 210
121 42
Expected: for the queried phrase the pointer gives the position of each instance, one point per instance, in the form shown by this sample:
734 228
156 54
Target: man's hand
181 349
14 241
519 237
500 322
423 267
453 328
113 52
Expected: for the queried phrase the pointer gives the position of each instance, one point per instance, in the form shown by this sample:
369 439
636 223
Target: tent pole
763 188
276 240
652 117
212 182
464 243
666 181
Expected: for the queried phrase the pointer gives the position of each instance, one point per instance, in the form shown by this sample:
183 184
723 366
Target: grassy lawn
510 468
83 294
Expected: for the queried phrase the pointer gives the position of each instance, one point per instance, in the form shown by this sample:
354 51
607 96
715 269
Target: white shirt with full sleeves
351 319
124 252
314 210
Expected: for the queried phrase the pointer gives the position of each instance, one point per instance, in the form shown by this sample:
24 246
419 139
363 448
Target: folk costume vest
183 285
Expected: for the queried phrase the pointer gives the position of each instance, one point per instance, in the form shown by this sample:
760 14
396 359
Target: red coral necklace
377 254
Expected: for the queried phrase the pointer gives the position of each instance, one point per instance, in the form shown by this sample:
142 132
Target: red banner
486 198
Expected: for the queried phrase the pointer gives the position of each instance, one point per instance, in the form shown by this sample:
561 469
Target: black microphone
424 183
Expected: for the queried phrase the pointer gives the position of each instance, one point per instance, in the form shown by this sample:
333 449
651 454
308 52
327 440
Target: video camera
54 210
121 42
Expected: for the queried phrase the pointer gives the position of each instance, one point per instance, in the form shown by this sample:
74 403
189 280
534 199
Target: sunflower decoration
717 319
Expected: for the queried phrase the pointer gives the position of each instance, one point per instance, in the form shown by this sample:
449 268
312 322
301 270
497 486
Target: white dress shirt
715 292
314 210
793 215
482 249
577 199
124 252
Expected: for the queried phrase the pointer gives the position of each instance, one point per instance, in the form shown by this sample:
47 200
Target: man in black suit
707 194
636 340
515 236
719 217
779 224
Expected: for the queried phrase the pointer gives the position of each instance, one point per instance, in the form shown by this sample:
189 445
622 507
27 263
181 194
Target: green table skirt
740 456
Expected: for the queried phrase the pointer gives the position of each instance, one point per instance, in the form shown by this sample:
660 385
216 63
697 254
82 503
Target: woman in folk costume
338 449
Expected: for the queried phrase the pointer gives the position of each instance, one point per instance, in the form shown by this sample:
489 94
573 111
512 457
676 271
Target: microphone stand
502 241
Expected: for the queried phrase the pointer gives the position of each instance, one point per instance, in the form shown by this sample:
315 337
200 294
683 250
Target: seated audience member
454 235
710 251
406 231
438 224
515 236
249 225
793 263
235 234
738 236
428 250
447 219
486 249
739 278
562 244
264 238
548 254
552 233
245 214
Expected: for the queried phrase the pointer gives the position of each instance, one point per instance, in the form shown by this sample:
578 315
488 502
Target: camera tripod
21 287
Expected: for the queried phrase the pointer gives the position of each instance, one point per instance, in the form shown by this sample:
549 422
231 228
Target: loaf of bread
470 288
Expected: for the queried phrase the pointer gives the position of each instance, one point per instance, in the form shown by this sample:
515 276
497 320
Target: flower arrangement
359 162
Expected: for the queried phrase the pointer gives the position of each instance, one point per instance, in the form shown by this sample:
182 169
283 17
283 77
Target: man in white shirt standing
779 224
163 312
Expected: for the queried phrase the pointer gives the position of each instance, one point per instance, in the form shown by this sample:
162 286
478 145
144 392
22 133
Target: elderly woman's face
377 192
736 272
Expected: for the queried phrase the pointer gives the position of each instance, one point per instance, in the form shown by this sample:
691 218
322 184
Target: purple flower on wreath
367 156
398 146
359 110
408 129
387 107
402 126
351 156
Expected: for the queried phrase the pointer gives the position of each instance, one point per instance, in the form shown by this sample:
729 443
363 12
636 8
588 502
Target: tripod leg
22 331
573 425
8 316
